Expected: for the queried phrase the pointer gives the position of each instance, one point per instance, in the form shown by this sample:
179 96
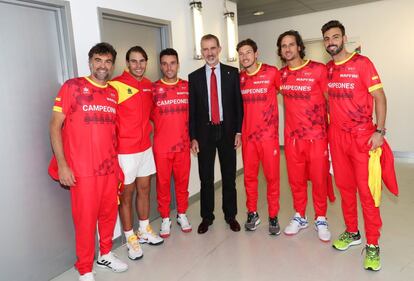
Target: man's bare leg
147 235
142 202
125 208
127 219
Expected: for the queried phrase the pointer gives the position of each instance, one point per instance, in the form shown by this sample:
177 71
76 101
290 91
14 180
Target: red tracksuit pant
308 160
350 162
178 165
268 153
94 200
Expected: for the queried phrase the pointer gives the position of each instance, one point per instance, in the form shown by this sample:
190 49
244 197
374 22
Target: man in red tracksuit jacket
171 141
83 136
303 85
134 149
354 87
259 84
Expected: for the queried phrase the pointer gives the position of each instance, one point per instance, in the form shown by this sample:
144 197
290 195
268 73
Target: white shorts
137 165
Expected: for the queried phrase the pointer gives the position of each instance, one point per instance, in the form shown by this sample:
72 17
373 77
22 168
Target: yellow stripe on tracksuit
375 87
375 175
124 91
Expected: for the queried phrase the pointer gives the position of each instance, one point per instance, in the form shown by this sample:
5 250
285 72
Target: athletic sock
143 225
129 233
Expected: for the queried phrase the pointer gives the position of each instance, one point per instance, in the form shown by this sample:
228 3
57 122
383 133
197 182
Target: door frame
65 32
166 42
164 25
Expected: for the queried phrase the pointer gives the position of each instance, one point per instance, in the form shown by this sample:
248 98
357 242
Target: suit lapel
204 89
224 85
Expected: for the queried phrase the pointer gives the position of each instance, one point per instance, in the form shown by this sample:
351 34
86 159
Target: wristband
381 131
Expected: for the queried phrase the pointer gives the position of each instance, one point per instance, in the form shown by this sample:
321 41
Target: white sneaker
165 227
149 236
321 226
134 249
182 220
296 224
87 277
110 261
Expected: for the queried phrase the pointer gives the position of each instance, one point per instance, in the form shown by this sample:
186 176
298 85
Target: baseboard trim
118 242
403 154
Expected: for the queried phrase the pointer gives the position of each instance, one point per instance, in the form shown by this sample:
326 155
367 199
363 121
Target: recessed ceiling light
258 13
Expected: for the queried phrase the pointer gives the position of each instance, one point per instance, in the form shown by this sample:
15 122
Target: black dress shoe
203 227
234 225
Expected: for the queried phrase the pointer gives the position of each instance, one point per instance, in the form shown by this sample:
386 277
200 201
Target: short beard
171 78
286 60
100 77
246 67
137 76
336 51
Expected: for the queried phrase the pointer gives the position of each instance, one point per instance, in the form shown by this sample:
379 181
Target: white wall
86 34
385 29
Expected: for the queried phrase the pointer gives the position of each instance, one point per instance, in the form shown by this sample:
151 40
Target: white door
35 214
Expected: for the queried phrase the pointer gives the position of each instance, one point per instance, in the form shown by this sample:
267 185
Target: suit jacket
199 107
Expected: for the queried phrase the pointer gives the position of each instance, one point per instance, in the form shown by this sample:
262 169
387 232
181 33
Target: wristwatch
381 131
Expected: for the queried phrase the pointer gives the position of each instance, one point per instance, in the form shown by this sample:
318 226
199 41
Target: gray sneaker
252 222
274 227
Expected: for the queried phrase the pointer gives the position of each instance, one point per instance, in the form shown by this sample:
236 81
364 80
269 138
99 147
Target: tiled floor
222 255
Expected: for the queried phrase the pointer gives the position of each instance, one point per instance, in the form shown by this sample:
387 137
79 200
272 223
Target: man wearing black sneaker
259 84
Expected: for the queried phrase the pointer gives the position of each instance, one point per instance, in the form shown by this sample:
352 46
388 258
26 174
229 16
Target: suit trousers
206 159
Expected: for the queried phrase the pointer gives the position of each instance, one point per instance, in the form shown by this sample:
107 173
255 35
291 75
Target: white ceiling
275 9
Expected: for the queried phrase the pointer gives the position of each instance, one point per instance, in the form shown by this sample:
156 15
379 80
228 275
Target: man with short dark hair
83 136
259 84
134 150
216 115
171 141
354 87
303 85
